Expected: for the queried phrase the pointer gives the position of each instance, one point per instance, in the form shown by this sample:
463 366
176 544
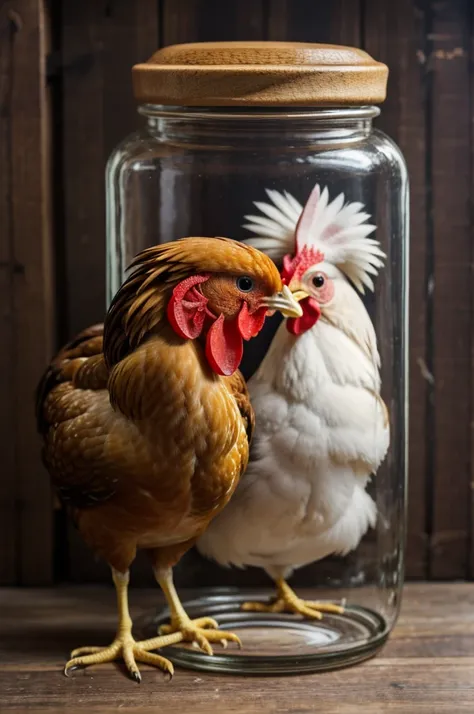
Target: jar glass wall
199 172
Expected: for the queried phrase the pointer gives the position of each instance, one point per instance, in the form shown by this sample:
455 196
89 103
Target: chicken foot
201 631
124 646
288 601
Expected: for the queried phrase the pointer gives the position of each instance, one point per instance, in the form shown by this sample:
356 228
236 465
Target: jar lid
259 74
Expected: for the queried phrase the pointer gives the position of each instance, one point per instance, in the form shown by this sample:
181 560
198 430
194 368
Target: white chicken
322 428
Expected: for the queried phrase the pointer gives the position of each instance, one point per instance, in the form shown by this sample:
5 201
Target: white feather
287 208
321 426
275 214
337 228
321 432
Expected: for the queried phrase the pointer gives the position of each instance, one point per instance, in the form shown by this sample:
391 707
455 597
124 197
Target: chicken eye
318 281
245 284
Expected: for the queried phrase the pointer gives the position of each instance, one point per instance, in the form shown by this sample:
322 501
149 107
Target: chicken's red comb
296 267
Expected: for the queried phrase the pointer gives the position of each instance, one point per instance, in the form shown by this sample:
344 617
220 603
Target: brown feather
85 344
146 432
238 388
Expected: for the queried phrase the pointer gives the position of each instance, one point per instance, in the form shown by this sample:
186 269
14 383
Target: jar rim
252 113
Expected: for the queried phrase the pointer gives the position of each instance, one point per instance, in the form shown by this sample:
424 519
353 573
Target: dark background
66 100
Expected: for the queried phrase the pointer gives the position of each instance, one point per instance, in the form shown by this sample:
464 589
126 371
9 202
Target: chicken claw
288 601
127 649
202 631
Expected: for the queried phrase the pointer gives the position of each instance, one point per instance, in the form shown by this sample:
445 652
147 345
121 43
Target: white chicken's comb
338 230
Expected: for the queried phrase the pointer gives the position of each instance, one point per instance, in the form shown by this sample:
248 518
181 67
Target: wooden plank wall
449 105
428 45
26 289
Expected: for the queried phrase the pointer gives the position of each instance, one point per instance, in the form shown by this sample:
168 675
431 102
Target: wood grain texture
84 161
100 42
8 515
427 665
27 274
395 34
259 73
130 34
448 61
336 22
211 20
471 560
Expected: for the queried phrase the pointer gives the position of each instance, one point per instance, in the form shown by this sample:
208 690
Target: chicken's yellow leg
288 601
191 630
124 646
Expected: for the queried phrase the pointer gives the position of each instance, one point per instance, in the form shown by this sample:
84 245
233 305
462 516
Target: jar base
276 643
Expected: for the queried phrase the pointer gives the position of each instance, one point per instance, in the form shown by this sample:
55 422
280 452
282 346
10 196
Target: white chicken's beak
284 302
299 295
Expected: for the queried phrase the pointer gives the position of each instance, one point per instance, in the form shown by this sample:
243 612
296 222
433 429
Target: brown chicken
146 429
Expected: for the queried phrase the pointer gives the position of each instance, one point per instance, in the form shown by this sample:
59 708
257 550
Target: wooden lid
259 74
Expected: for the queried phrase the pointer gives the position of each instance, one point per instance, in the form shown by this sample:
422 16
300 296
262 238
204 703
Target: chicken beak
299 295
284 302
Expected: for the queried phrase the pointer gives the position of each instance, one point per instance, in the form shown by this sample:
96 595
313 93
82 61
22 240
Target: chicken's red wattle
250 323
224 346
225 339
311 314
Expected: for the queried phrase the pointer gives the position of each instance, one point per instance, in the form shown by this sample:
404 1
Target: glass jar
202 168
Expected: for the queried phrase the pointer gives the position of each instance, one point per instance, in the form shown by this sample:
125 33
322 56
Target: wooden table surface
427 666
